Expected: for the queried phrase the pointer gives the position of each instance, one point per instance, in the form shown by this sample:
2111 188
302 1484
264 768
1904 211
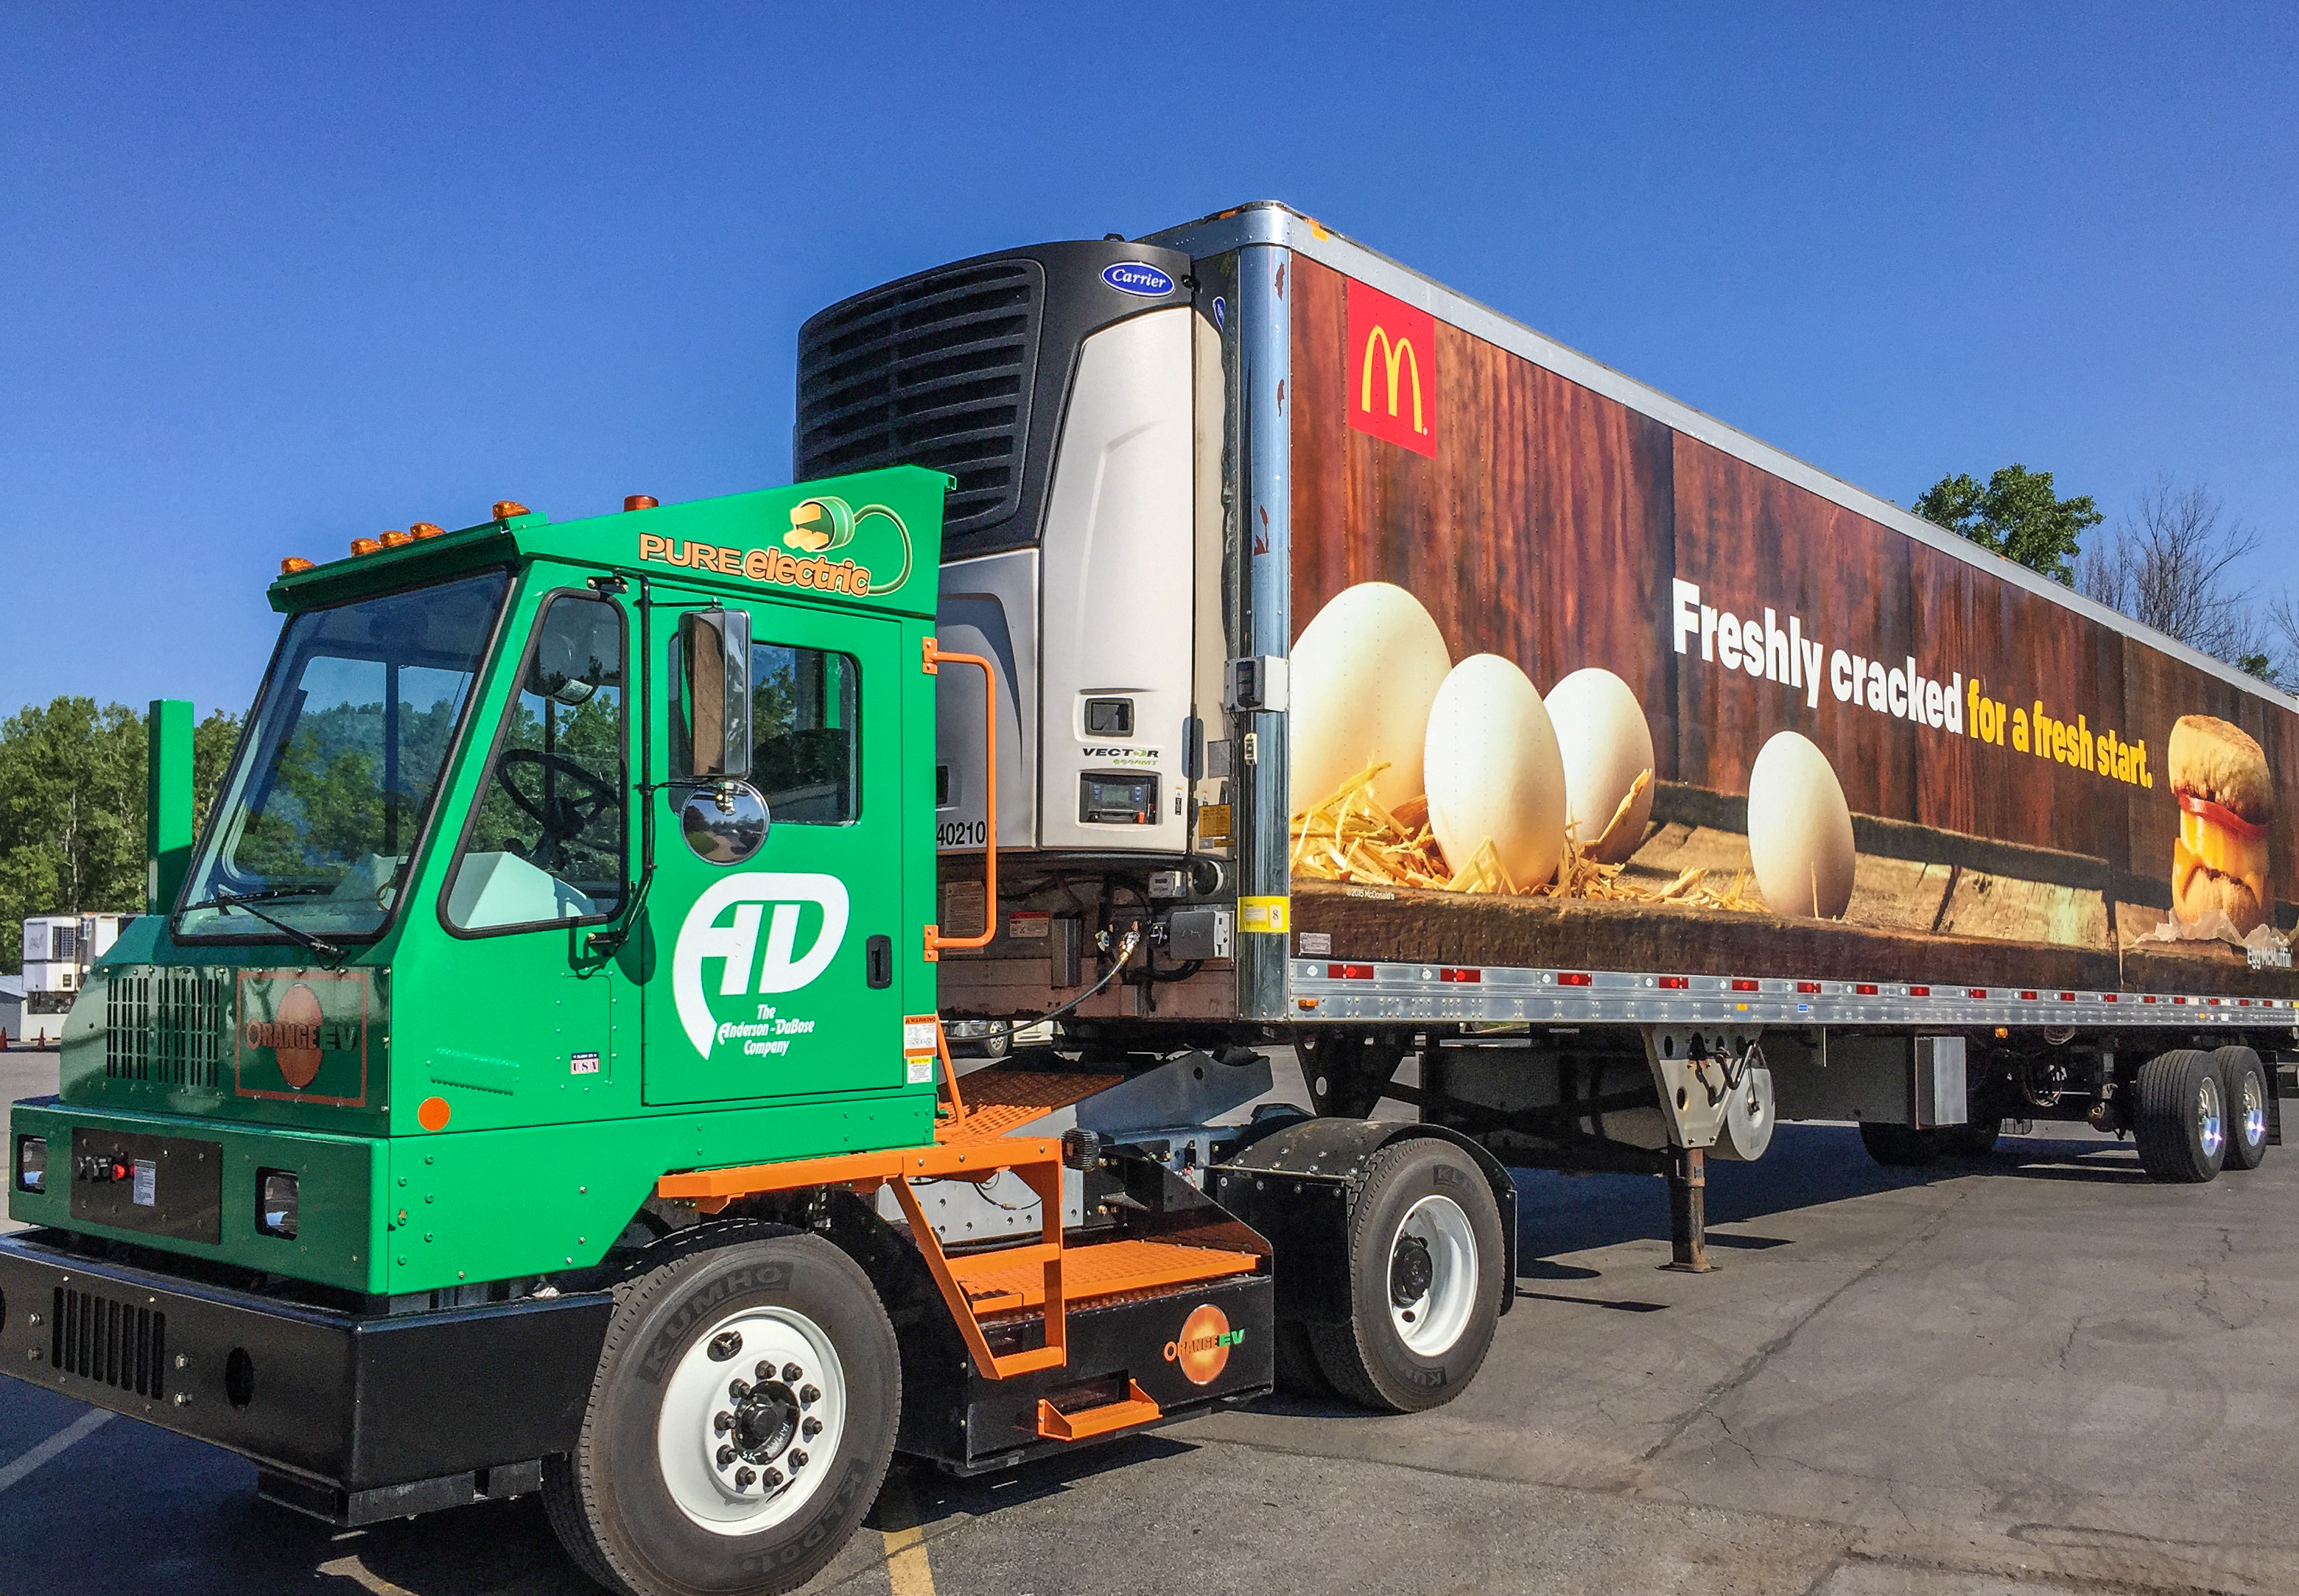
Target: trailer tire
646 1506
2243 1079
1900 1146
1422 1221
2181 1122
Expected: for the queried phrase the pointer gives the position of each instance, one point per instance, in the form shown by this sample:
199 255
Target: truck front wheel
2181 1126
740 1424
1424 1280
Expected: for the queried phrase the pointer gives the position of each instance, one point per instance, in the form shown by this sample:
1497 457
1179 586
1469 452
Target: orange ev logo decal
1393 369
1202 1348
293 1036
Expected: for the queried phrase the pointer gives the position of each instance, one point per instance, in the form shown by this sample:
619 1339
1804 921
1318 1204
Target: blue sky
276 277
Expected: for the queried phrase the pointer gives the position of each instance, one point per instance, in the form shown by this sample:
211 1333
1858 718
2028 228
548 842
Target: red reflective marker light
1470 976
1573 978
1742 984
2067 997
2180 1000
1866 989
1975 991
1808 986
2149 997
1348 972
1920 991
2028 996
2107 997
1675 983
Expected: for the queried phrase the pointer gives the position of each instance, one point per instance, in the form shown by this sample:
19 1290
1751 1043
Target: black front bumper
341 1410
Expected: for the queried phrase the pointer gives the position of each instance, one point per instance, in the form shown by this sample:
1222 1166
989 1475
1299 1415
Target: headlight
276 1202
32 1163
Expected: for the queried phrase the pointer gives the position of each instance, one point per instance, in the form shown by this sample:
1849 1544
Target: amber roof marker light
366 545
640 502
505 509
397 540
293 564
426 529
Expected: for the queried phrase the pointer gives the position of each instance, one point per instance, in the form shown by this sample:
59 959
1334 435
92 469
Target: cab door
772 973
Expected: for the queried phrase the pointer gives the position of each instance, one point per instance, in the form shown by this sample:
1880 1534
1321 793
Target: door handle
878 957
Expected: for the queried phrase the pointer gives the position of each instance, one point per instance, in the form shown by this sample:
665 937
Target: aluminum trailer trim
1338 990
1273 222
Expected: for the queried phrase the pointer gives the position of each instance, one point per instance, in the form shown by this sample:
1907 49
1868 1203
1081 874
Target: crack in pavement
1755 1365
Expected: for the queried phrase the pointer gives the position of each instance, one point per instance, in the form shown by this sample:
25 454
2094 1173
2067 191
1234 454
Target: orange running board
1135 1407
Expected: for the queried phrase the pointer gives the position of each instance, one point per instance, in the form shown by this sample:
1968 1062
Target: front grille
934 371
164 1024
112 1344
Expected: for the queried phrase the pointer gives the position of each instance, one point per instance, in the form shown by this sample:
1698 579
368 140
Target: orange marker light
293 564
640 502
505 509
365 545
426 529
432 1113
397 540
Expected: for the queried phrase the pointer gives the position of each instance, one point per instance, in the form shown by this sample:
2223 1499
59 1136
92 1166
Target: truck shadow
1806 1166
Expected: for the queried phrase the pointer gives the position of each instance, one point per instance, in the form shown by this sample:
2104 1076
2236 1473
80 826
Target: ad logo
301 1037
1393 369
1138 277
740 902
1202 1348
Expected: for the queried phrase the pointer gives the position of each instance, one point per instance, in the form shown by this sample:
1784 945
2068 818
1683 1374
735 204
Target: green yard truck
536 1075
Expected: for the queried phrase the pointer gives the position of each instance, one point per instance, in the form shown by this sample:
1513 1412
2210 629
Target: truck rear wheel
2181 1124
739 1426
2244 1081
1424 1280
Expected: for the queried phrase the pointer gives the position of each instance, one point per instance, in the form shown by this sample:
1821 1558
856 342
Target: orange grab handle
936 940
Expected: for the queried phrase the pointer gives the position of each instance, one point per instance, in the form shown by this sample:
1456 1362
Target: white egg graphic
1799 830
1607 745
1363 672
1494 772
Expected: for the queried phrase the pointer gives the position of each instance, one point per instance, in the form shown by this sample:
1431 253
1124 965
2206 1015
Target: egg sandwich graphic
2219 775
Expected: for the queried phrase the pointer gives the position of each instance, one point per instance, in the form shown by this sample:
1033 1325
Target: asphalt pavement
2035 1371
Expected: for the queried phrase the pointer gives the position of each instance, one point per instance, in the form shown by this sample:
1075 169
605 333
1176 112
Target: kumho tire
649 1505
1428 1197
2180 1123
2243 1079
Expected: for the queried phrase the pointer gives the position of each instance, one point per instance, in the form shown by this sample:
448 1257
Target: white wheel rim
708 1485
2255 1114
2210 1126
1431 1319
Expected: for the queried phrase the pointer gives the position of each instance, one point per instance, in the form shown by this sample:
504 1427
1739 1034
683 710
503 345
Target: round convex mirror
725 823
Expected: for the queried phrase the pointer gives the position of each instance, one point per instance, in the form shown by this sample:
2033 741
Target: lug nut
744 1479
810 1428
739 1390
725 1457
797 1458
792 1374
722 1423
764 1372
774 1478
809 1397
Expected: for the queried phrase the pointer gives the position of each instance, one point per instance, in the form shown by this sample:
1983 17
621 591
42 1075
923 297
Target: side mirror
715 654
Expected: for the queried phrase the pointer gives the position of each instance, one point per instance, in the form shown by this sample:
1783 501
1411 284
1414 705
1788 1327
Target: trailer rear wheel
1425 1253
739 1426
2244 1081
2181 1124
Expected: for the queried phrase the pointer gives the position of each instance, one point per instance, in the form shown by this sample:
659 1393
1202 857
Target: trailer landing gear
1687 1212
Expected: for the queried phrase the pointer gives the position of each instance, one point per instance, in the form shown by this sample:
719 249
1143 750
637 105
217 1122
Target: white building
58 951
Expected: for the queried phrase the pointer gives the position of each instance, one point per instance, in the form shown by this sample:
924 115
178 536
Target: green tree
2017 515
71 809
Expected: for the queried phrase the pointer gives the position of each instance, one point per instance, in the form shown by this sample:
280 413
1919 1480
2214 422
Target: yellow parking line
906 1567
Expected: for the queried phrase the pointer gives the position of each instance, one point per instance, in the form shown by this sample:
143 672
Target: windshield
334 780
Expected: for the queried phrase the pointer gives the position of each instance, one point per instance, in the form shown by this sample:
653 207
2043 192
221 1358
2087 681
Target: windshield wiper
246 902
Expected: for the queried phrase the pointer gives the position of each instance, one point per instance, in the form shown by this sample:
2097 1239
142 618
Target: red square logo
1393 369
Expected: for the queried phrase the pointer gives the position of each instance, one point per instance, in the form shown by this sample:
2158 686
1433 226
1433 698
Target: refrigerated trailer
536 1078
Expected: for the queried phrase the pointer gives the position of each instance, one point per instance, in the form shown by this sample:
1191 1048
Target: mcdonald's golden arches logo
1393 369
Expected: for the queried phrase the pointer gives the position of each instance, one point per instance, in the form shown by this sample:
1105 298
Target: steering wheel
563 817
